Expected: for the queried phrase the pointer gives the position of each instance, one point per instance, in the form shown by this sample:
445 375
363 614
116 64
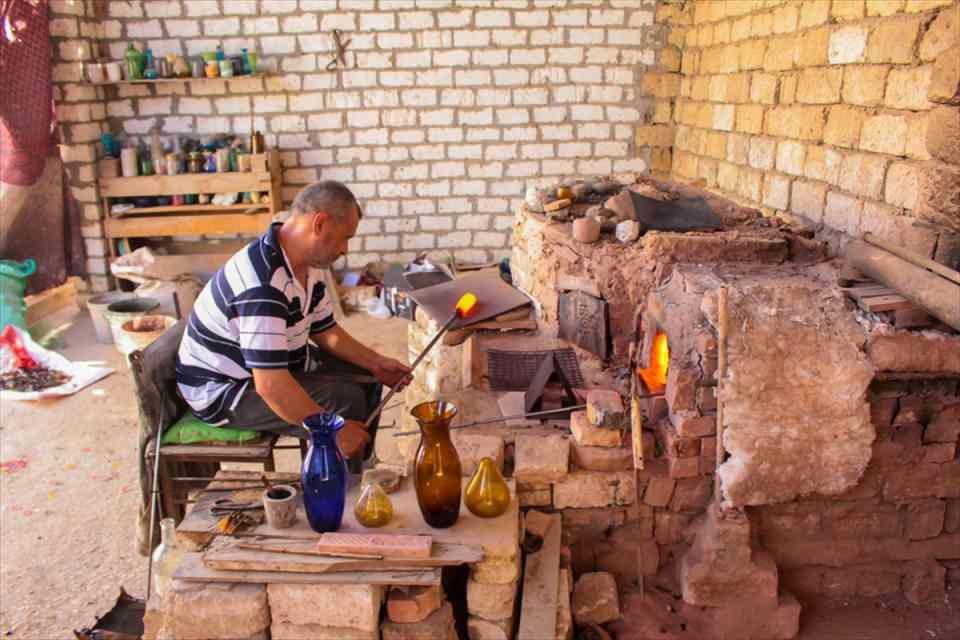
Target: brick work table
491 590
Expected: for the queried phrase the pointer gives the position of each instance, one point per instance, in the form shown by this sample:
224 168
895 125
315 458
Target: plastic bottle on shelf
220 54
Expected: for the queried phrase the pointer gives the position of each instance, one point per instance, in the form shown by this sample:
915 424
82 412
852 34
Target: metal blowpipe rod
465 305
519 416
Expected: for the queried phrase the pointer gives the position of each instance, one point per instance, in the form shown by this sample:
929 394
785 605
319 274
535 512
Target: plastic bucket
97 306
140 331
119 312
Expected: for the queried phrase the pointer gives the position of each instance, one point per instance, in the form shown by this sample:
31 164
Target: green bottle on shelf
135 62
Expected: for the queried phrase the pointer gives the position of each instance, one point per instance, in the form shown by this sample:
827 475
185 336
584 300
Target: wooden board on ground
868 291
495 536
538 610
885 303
225 554
40 305
192 569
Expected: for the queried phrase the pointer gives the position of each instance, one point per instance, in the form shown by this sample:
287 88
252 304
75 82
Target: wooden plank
192 569
186 225
857 293
885 303
184 183
910 318
229 556
254 450
43 304
722 329
389 545
934 293
916 259
189 80
195 208
538 609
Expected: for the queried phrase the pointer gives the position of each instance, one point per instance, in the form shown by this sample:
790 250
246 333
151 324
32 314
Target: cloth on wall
26 99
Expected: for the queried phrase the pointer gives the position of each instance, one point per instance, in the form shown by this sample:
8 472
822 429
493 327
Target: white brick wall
444 114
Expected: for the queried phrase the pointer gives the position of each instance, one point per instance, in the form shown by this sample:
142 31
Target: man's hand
352 438
392 373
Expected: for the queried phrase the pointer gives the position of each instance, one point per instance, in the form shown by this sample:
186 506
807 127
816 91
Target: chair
182 466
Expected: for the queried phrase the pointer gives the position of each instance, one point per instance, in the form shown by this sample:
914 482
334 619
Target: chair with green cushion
186 461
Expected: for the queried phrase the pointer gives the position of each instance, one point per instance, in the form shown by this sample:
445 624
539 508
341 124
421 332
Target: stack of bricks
444 113
899 528
492 590
75 32
415 613
841 113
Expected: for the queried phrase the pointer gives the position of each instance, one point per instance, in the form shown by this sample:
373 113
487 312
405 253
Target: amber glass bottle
436 474
487 495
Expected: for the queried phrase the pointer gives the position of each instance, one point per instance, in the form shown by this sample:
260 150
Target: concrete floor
68 488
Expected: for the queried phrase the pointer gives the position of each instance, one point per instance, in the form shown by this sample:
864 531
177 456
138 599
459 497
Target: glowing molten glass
465 304
655 375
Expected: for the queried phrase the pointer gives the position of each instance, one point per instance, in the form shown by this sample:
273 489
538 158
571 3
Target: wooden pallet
874 297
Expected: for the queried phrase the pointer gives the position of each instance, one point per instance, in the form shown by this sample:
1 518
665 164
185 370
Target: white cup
114 71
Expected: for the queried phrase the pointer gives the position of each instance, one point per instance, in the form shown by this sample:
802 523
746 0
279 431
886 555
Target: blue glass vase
324 473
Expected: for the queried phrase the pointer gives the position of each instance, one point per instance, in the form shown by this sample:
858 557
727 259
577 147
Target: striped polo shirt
253 314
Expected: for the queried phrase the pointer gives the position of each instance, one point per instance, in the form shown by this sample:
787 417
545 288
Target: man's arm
337 341
290 401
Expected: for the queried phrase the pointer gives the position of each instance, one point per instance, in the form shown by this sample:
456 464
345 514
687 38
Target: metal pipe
519 416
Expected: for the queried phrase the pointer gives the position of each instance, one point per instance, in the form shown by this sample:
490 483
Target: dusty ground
68 490
68 496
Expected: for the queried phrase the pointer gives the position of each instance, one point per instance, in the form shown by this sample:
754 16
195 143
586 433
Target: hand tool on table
464 307
521 416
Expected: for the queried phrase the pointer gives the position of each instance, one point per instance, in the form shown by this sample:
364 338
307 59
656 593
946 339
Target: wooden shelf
186 225
190 79
194 208
184 183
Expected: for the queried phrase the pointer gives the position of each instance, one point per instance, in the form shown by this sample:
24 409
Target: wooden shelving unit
192 219
190 79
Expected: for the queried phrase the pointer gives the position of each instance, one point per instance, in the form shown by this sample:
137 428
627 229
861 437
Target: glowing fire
655 375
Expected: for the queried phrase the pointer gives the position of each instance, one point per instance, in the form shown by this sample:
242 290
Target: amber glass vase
487 495
436 474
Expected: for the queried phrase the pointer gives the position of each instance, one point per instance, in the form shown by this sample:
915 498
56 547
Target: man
246 359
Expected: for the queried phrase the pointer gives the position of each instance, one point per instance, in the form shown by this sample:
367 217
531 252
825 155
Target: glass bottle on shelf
166 557
324 475
134 63
487 494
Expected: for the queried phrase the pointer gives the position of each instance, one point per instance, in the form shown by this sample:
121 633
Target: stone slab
350 606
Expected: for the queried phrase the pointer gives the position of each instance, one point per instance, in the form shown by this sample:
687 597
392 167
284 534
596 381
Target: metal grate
514 370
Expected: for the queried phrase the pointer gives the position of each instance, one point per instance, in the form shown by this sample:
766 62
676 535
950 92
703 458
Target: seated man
250 357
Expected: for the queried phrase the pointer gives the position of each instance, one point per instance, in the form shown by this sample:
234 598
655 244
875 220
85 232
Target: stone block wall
446 111
75 31
837 112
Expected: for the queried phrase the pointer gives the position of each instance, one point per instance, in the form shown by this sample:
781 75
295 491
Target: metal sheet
494 297
684 214
583 321
513 370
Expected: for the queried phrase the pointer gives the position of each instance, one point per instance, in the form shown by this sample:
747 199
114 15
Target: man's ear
320 220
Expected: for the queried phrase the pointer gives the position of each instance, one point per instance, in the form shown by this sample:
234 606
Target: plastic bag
13 286
81 374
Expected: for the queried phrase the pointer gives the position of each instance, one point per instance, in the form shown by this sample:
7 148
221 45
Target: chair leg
270 463
303 450
168 492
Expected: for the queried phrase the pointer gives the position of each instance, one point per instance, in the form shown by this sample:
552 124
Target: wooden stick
636 431
914 258
722 294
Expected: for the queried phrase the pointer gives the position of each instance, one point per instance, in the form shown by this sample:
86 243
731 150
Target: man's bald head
329 196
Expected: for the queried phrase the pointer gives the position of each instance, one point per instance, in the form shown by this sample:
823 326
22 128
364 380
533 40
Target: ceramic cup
280 506
95 72
114 71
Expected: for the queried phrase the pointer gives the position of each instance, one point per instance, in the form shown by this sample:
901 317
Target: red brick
882 411
691 494
413 604
659 491
683 467
944 427
925 519
924 583
908 435
879 580
605 458
673 445
690 425
670 527
682 386
951 520
939 452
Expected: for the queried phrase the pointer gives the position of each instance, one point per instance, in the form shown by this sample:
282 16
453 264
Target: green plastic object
190 429
13 286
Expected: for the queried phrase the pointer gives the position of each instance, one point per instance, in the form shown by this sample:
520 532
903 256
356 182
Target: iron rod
520 416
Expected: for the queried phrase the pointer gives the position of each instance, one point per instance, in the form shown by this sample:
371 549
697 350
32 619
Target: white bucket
119 312
140 331
97 306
